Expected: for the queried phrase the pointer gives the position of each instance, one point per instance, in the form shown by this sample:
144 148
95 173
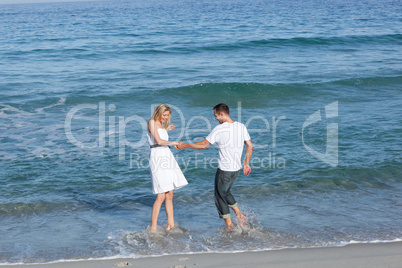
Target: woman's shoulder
154 124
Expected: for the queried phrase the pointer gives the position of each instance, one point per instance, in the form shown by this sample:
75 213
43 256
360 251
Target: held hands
246 169
179 146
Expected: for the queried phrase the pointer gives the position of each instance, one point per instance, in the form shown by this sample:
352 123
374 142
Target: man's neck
227 120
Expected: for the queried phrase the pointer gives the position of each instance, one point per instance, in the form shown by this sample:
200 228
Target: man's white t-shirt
230 138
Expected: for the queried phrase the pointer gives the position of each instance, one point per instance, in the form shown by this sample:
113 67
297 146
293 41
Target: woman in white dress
166 174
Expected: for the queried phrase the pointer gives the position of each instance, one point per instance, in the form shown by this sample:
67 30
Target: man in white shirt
230 137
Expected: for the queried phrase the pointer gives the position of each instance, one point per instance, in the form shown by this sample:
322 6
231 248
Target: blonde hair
159 110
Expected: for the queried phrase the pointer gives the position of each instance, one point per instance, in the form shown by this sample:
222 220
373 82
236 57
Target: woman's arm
153 129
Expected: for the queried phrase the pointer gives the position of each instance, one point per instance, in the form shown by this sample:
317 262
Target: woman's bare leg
160 198
169 209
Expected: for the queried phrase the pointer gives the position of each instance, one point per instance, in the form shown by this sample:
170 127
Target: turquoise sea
318 83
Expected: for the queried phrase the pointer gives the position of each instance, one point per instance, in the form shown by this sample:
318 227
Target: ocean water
318 83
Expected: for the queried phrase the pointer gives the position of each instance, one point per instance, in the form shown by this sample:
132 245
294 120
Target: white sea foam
61 101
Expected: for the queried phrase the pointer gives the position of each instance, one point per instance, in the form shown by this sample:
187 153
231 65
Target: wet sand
354 255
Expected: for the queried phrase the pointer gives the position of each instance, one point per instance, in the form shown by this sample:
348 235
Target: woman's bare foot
152 228
170 227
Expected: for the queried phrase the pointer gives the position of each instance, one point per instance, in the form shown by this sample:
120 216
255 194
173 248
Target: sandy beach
354 255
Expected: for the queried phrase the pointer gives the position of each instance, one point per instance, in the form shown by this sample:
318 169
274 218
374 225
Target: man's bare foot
241 219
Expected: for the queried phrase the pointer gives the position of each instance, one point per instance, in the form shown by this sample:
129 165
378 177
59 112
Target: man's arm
249 153
197 145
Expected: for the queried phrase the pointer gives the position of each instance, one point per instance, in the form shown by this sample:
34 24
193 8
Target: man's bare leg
229 223
240 217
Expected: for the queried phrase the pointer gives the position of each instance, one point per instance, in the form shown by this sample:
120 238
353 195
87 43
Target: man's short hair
221 107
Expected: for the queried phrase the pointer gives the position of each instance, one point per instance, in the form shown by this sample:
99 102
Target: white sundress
166 174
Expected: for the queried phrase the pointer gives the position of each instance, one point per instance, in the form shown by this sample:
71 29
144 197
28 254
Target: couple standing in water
166 175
